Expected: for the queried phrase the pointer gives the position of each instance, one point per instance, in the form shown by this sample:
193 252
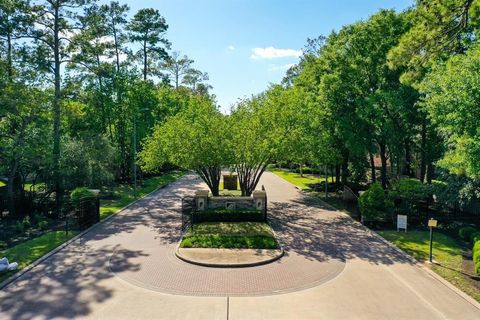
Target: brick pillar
259 198
201 198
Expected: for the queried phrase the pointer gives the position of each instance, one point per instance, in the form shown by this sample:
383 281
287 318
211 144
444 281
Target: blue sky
221 35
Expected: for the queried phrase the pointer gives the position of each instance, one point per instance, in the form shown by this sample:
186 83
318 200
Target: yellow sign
432 223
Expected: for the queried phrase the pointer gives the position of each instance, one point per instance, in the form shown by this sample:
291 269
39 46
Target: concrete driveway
333 269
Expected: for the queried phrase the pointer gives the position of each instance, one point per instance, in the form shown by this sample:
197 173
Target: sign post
431 224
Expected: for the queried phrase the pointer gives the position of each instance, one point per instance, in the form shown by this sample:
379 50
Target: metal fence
188 208
265 210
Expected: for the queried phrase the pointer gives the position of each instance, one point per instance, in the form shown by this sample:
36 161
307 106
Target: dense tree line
398 87
78 81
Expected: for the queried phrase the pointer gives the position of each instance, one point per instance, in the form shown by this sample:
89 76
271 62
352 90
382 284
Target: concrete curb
226 265
32 265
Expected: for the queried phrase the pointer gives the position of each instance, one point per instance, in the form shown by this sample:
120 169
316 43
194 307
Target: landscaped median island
230 235
227 230
229 244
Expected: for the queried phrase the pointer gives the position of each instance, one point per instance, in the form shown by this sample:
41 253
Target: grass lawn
123 194
245 235
446 252
29 251
230 193
298 180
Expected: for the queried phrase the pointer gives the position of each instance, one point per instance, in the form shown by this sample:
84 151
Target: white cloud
272 53
231 47
275 68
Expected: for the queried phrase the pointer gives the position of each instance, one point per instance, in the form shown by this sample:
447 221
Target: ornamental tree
192 139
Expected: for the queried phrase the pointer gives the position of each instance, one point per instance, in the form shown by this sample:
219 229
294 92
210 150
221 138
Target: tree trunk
56 110
145 65
10 187
372 167
423 151
211 176
115 40
383 171
430 172
337 174
345 168
408 159
9 57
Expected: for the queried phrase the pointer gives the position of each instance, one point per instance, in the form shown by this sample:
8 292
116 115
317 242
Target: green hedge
375 205
225 241
411 189
476 256
81 193
474 237
222 215
466 233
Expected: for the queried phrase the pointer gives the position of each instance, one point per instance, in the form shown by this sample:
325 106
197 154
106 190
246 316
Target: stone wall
255 202
238 203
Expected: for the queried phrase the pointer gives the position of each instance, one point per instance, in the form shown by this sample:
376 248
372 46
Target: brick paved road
126 269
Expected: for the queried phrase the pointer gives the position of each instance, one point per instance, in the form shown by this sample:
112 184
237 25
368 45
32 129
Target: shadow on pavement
310 228
65 285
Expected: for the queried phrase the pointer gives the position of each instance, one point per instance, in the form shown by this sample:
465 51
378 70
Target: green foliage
438 28
375 205
29 251
81 193
411 189
466 232
476 256
148 28
452 100
26 222
123 194
223 215
192 139
230 242
233 228
244 235
19 227
88 162
3 245
43 224
446 251
474 237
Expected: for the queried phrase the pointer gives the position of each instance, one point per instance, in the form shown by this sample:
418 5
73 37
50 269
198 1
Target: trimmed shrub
305 170
476 256
43 225
466 232
412 189
476 251
80 193
375 205
474 237
222 215
19 227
